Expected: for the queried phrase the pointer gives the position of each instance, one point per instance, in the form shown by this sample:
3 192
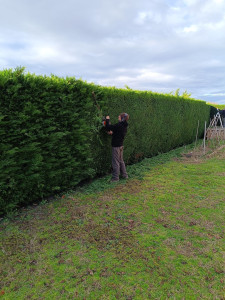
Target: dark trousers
118 164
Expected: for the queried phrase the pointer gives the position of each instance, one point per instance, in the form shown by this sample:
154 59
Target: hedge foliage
219 106
52 137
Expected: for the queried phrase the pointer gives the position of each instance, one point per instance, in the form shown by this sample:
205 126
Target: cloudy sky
157 45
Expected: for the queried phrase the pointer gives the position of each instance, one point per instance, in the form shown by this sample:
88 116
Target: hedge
52 137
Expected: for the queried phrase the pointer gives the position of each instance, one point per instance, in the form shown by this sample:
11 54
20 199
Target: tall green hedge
45 136
52 138
158 122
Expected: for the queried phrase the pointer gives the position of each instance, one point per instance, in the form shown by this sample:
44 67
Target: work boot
114 180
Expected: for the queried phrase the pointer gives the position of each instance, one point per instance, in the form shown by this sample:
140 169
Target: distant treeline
52 136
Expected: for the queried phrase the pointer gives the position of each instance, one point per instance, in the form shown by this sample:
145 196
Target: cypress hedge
52 137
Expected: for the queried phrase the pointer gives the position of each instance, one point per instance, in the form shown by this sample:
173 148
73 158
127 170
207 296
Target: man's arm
108 126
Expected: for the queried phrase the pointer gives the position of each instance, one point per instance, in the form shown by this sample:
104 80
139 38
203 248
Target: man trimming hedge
118 132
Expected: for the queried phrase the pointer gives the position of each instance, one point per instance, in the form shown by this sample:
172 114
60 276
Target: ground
158 235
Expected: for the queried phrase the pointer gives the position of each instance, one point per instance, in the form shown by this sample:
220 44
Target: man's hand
110 132
107 117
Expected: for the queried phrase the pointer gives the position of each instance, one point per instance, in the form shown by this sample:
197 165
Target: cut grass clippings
158 235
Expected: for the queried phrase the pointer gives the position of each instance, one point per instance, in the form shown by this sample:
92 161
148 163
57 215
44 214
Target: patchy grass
158 235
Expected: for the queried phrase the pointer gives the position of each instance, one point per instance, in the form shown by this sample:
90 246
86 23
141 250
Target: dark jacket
119 131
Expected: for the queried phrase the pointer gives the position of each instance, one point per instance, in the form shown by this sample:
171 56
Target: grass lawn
158 235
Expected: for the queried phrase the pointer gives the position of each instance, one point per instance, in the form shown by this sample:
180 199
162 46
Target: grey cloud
155 45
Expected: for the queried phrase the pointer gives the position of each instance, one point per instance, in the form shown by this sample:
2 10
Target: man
118 132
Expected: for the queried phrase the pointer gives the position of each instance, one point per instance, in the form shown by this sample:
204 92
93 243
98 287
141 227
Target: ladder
215 120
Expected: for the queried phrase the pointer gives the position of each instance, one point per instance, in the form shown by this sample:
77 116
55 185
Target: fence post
204 138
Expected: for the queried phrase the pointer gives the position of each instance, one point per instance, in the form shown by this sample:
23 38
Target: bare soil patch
199 154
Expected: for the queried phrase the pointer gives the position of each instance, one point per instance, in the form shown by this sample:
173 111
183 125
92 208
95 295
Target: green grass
158 235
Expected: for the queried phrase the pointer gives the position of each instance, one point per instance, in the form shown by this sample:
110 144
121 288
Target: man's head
123 117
